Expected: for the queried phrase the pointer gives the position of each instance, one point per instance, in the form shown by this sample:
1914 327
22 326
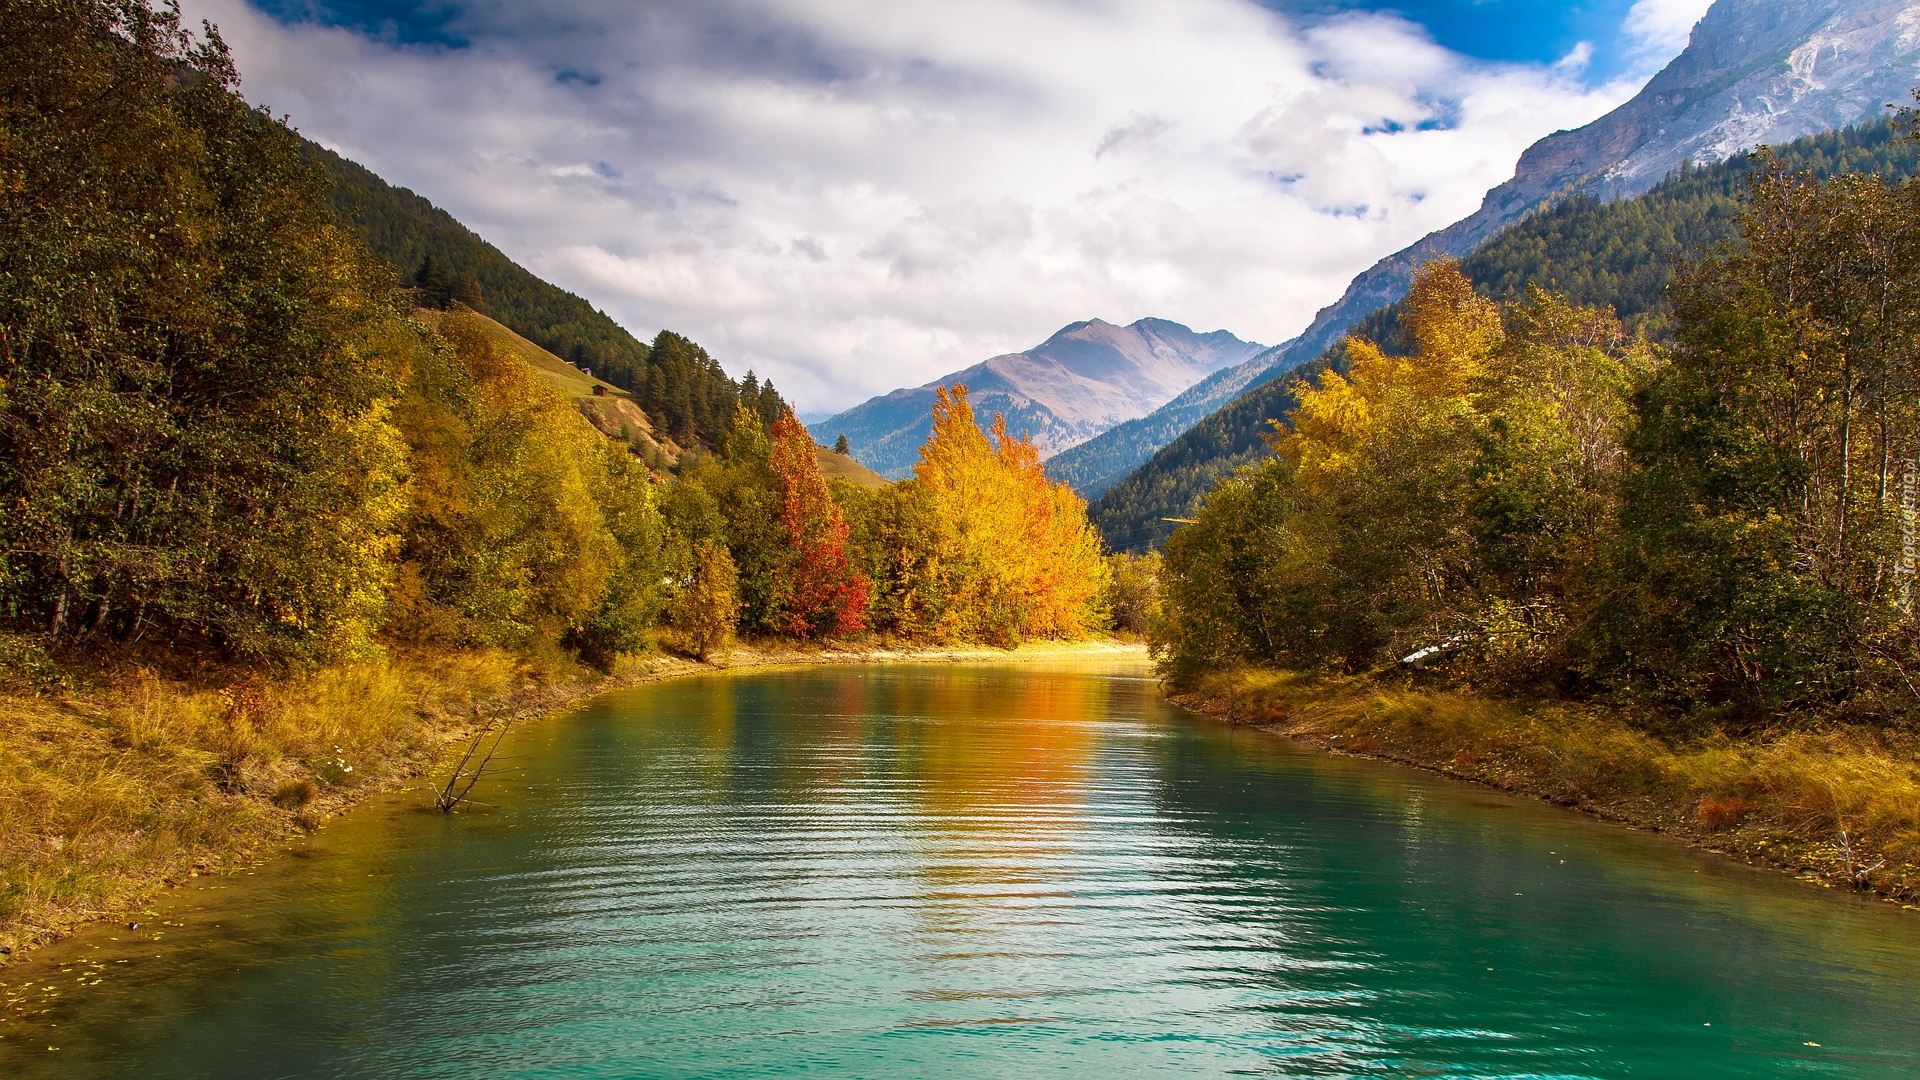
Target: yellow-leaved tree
1447 501
1013 554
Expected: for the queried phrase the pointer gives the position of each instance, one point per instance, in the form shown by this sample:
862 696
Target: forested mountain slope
683 390
1104 460
1755 72
1619 254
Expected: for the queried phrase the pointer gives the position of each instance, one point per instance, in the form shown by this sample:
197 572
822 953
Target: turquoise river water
1019 870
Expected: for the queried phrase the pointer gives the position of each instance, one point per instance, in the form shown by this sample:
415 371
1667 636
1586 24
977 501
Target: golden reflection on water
997 800
796 868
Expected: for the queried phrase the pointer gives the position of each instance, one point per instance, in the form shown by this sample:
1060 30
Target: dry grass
108 793
1842 804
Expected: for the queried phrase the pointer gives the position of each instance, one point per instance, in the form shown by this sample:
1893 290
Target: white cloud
1659 28
854 195
1576 60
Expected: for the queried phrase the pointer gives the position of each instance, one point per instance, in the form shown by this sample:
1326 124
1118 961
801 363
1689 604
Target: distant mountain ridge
1083 380
1099 463
1754 72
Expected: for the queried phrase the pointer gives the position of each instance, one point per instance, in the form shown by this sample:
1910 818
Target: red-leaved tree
824 594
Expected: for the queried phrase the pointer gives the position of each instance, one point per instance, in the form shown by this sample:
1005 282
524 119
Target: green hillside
1621 254
684 390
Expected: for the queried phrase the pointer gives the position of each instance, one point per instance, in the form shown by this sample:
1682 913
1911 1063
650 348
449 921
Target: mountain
1099 463
1621 254
609 409
1081 381
1754 72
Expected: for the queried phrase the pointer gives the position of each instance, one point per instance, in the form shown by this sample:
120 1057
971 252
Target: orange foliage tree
1015 554
822 592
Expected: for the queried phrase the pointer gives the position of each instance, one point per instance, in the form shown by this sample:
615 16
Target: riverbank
113 790
1839 807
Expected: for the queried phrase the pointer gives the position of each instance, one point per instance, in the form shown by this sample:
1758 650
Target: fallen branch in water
449 798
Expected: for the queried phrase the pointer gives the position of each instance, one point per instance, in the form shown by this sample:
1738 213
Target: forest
226 435
1722 526
287 509
1673 580
1619 255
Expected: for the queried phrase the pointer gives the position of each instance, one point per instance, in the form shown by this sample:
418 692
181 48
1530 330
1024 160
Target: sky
849 196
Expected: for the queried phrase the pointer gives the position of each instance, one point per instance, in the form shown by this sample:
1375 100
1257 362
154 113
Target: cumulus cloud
854 195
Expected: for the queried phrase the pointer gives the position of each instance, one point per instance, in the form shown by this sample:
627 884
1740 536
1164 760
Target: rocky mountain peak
1084 379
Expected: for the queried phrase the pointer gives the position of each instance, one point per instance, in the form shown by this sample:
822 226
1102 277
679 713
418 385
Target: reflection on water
881 871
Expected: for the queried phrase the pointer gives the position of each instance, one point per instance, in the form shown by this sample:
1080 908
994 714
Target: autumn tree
1014 556
706 608
525 525
1380 457
823 593
1133 598
1456 497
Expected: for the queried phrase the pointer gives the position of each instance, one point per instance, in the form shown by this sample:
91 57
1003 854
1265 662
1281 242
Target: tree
1379 460
1133 599
707 607
825 594
527 526
840 446
1763 563
195 434
1014 556
1457 496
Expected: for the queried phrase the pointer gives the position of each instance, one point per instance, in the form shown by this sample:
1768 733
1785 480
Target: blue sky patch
1513 31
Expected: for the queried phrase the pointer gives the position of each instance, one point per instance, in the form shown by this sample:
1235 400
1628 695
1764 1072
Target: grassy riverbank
128 781
1841 806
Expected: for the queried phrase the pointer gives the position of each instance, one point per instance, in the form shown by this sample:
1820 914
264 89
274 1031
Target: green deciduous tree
1761 563
194 433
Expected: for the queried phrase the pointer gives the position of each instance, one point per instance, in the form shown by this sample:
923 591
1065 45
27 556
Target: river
974 870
